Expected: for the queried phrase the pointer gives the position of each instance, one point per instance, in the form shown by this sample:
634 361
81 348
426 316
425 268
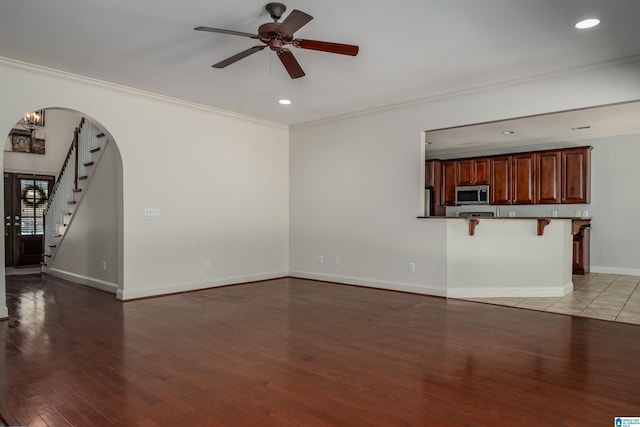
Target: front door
25 199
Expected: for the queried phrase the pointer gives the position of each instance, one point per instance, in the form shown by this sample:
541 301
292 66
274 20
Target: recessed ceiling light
508 132
284 102
587 23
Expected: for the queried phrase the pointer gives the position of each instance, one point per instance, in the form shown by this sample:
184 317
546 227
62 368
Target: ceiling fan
277 35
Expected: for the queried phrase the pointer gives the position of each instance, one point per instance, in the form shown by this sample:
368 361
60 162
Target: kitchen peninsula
528 255
509 257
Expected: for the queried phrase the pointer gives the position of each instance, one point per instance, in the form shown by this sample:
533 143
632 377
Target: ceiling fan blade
234 33
293 22
342 49
238 56
290 64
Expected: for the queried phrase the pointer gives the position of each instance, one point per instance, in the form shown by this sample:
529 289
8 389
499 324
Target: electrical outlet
338 260
554 213
320 259
577 214
412 267
512 214
207 263
585 214
104 265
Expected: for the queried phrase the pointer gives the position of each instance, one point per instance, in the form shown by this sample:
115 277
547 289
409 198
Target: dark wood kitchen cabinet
432 179
576 175
547 177
523 179
431 173
500 185
537 177
581 251
449 182
473 171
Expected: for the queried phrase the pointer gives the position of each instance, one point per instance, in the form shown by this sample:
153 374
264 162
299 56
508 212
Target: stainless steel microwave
472 195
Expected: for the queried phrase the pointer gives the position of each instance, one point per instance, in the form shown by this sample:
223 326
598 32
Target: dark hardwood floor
298 352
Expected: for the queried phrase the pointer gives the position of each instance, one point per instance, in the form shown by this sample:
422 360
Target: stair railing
63 193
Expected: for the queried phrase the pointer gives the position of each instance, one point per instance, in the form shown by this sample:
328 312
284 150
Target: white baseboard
4 312
83 280
615 270
394 286
518 292
124 294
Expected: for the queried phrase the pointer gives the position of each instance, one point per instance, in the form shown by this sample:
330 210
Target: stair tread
88 164
47 255
76 190
94 150
80 178
52 246
71 202
100 135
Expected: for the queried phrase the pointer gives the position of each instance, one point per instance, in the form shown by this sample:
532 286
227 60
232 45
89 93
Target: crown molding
629 61
16 65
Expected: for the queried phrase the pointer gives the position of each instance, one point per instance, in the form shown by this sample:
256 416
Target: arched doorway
82 242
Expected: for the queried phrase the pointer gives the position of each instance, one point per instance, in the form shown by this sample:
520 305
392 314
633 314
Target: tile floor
599 296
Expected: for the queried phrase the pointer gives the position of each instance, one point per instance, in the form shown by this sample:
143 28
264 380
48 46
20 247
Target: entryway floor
599 296
12 271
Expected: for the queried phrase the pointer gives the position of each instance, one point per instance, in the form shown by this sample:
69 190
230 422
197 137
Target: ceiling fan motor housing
267 31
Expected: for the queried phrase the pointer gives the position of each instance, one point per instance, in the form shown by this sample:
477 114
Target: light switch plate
151 211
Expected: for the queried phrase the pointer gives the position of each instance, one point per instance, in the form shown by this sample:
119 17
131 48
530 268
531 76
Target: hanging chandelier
33 121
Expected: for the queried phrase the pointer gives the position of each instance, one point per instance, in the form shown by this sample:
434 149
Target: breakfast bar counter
509 256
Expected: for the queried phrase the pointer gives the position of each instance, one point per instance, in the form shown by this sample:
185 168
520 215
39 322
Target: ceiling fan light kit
277 35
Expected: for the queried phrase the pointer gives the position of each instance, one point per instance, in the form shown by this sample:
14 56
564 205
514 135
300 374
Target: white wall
58 135
354 194
615 204
92 235
355 181
220 180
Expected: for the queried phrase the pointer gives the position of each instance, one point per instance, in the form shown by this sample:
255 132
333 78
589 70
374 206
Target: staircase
74 177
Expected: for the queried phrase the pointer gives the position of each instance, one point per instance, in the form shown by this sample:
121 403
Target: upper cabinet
500 185
576 175
548 171
473 171
538 177
449 182
523 179
431 172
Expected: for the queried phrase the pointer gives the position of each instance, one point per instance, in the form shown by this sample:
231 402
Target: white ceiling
549 130
409 50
